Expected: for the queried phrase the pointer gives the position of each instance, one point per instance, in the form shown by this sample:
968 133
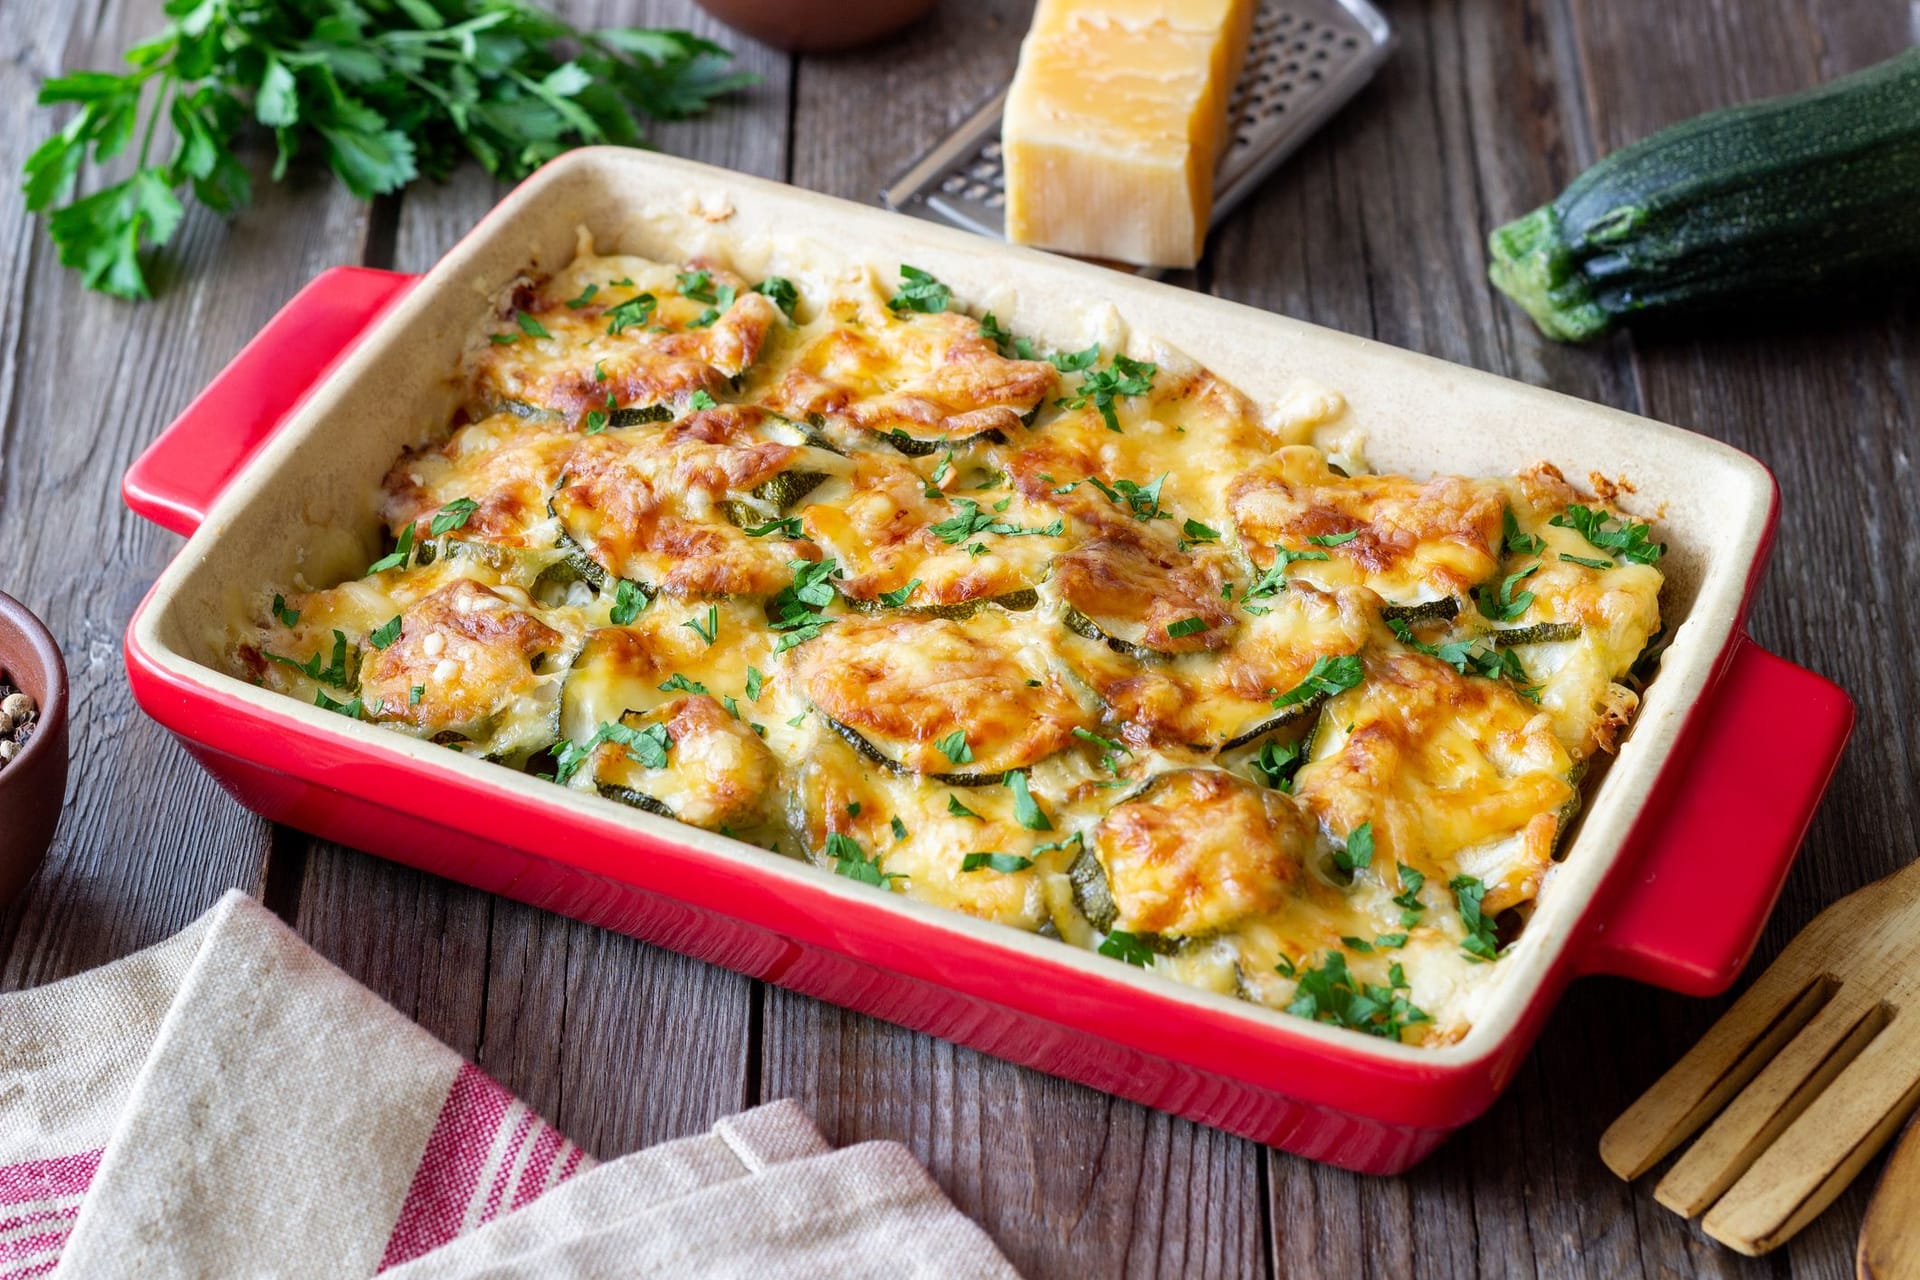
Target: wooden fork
1809 1074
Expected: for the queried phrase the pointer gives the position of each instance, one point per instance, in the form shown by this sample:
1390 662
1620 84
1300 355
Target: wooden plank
1069 1182
619 1044
147 841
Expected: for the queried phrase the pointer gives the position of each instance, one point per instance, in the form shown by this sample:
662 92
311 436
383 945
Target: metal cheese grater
1306 59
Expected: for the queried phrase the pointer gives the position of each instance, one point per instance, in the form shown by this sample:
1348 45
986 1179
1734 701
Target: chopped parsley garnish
1121 945
756 681
697 286
1277 763
628 600
794 722
1007 344
1026 810
1470 657
955 748
1194 531
972 520
898 827
782 292
1142 502
1591 564
586 296
1334 539
733 708
707 629
288 617
647 747
677 683
701 400
416 693
1390 941
797 609
351 710
894 599
1006 862
1359 945
785 526
1329 676
1627 539
398 558
1274 580
1514 540
503 339
1101 387
1503 605
600 371
1358 853
1408 899
942 467
1329 993
853 808
920 292
1075 361
959 810
386 633
633 313
1186 627
530 326
453 516
596 422
333 673
851 861
1481 942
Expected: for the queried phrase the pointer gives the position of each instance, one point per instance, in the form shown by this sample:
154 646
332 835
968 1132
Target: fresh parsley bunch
385 90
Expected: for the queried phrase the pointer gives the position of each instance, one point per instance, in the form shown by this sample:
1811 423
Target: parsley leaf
1329 993
1101 387
288 617
1194 531
397 559
1357 855
695 286
1481 942
677 683
959 810
647 747
954 747
1075 361
1513 540
1274 580
1121 945
631 314
796 610
701 400
530 326
1328 677
785 526
1277 763
707 629
1186 627
782 292
574 304
898 827
1627 539
453 516
416 693
1142 502
1583 560
894 599
1026 810
920 292
629 598
755 683
851 861
333 673
1504 605
1005 862
971 520
386 633
1334 539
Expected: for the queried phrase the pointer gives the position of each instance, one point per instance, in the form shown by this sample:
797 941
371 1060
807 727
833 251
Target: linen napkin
228 1103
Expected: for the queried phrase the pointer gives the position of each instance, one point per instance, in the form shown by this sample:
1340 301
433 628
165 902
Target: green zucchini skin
1801 198
858 741
1013 601
1539 633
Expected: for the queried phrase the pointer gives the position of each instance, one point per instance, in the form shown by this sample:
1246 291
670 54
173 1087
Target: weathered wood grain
1489 107
147 841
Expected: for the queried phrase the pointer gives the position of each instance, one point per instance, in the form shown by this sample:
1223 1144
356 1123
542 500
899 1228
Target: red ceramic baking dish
1668 879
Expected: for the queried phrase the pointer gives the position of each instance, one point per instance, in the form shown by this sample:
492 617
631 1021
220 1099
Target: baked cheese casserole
1081 641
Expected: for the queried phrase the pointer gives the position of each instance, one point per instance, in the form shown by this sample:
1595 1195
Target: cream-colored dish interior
307 503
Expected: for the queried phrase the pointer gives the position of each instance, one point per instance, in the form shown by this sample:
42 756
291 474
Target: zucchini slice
1081 625
640 415
918 447
713 772
1012 601
1446 609
1538 633
860 744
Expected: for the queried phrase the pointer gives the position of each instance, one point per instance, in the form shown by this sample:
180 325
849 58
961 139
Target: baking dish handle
1714 858
183 471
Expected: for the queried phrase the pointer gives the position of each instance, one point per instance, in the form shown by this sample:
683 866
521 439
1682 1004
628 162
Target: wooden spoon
1804 1079
1890 1238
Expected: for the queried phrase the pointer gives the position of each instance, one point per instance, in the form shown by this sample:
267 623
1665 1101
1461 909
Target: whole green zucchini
1803 198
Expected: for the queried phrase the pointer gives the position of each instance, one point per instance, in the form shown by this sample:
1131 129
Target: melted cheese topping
1098 653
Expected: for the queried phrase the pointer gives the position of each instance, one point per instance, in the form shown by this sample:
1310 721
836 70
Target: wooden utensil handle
1890 1237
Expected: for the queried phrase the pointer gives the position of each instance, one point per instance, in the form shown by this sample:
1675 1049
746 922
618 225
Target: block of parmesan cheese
1115 122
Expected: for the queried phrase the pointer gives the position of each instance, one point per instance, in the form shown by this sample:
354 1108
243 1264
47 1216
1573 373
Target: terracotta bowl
816 26
34 785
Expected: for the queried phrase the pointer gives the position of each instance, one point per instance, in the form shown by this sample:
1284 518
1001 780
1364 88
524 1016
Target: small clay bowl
816 26
33 786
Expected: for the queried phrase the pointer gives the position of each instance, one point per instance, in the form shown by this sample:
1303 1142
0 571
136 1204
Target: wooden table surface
1376 227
